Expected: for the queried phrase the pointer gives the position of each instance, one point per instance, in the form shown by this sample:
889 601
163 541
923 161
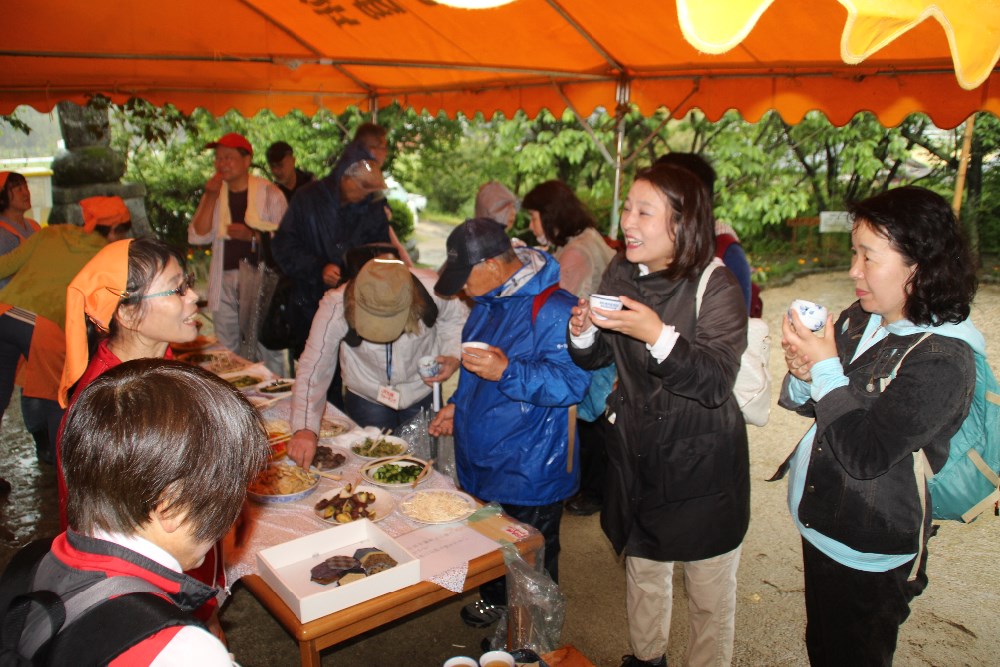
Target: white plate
331 427
402 445
368 471
406 505
383 505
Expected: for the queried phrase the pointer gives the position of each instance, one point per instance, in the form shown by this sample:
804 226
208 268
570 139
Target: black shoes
583 504
482 614
632 661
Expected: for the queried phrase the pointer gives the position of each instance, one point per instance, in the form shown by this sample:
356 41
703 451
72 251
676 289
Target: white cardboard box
286 568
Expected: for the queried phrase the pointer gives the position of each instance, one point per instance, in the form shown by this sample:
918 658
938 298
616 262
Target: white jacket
270 206
364 367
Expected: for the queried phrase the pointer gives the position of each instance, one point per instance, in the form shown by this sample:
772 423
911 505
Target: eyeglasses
180 290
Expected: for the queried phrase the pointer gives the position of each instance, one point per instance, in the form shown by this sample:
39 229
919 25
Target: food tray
286 569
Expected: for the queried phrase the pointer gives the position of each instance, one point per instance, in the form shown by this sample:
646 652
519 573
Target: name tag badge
388 397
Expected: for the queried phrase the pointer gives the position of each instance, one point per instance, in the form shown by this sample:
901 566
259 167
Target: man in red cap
236 209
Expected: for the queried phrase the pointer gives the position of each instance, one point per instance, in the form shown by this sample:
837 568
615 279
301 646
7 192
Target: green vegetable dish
377 448
390 473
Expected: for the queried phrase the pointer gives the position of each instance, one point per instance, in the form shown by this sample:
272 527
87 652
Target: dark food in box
340 570
374 560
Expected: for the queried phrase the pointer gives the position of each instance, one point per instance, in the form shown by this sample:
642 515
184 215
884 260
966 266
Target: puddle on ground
32 509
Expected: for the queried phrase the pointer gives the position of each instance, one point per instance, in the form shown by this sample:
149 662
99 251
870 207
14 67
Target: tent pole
623 95
373 106
963 166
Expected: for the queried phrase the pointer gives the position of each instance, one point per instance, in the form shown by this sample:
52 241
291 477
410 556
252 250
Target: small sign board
834 221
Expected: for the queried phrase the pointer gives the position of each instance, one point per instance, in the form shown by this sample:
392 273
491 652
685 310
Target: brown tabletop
330 630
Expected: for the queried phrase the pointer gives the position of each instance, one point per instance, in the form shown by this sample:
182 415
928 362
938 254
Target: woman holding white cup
678 464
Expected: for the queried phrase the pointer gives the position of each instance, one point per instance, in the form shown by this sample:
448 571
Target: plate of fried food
215 362
349 504
396 472
199 343
380 446
437 506
280 483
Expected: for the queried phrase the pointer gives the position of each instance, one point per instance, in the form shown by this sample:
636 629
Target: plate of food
438 506
331 427
215 362
243 380
329 458
274 387
380 446
282 484
396 472
348 504
199 343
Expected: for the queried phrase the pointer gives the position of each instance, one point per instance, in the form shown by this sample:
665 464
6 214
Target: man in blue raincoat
511 414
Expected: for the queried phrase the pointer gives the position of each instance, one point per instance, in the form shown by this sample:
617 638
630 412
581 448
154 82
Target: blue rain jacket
511 436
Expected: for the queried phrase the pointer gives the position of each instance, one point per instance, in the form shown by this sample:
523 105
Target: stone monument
89 167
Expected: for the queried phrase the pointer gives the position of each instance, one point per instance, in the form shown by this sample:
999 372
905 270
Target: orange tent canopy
248 55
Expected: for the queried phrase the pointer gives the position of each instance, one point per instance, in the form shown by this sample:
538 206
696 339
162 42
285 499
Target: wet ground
952 624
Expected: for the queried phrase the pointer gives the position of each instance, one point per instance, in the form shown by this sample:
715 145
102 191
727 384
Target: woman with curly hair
855 488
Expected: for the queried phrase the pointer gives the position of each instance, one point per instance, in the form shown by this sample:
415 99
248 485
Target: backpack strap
540 299
42 623
703 283
536 306
121 623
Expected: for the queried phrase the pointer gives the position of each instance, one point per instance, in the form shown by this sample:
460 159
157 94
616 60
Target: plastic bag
422 445
536 608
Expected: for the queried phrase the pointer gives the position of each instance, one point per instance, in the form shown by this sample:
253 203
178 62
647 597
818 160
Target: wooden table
322 633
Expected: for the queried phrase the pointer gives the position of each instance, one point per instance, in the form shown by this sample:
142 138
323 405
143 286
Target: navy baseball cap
472 242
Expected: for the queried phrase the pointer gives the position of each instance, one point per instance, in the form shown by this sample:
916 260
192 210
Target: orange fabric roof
531 54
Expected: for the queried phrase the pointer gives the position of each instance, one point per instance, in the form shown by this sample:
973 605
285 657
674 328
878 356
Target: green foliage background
768 171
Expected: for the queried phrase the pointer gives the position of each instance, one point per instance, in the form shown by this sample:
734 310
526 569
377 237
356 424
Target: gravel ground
953 623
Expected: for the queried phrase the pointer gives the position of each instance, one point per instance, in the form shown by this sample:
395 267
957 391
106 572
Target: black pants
593 456
546 518
853 617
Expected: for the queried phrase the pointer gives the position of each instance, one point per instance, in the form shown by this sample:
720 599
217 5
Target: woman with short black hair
889 381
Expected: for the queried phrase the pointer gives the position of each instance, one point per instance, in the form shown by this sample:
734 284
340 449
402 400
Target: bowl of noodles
279 483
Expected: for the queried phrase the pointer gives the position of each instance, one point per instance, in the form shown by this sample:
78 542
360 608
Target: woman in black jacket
678 484
856 490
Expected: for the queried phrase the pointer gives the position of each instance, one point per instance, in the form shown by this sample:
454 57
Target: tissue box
285 568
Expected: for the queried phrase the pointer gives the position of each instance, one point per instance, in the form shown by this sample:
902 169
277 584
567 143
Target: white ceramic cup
460 661
428 367
474 345
812 315
604 302
496 659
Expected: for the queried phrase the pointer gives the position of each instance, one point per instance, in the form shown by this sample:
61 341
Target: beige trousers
711 589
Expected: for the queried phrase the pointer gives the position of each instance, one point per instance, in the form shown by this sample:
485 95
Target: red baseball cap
232 140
